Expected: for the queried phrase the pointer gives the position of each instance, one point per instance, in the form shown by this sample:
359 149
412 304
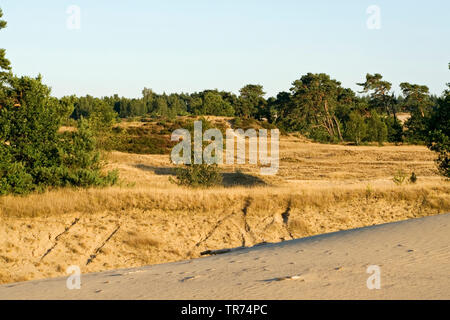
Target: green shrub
440 143
413 178
438 139
198 175
33 154
399 177
15 179
394 130
320 134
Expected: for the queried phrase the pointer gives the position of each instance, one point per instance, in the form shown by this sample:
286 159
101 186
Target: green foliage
198 175
5 65
212 102
376 128
215 105
312 109
394 129
418 101
438 128
399 178
317 107
251 101
101 120
440 143
14 178
79 148
355 128
33 155
381 99
102 117
321 135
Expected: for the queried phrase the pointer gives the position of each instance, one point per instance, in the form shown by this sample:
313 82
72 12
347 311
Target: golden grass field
149 220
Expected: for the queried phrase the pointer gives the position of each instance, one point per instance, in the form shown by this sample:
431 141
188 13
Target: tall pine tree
5 65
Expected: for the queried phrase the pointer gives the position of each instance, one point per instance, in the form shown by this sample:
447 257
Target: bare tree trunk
338 128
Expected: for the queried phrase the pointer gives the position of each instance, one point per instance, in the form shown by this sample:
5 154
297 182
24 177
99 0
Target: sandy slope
414 257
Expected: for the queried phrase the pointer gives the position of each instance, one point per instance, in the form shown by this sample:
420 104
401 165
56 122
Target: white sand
413 255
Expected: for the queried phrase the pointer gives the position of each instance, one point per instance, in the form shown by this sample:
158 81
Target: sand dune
413 257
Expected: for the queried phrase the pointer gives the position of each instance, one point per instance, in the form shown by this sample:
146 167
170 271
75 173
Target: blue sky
187 46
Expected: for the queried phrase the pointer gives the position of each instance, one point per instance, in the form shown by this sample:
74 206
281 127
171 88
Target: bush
320 134
438 139
33 154
440 143
15 179
198 175
413 178
399 177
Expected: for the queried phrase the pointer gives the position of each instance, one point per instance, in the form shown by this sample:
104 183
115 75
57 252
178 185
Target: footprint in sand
189 278
296 277
116 275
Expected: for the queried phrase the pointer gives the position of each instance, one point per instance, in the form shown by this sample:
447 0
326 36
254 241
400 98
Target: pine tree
5 65
439 133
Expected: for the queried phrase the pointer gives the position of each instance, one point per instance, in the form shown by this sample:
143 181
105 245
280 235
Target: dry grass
319 188
141 241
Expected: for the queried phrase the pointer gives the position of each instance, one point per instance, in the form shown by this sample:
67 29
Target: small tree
251 101
381 99
101 121
33 154
355 128
439 136
438 139
394 129
198 175
377 130
418 102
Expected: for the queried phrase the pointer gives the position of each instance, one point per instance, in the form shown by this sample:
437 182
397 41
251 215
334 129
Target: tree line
316 106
